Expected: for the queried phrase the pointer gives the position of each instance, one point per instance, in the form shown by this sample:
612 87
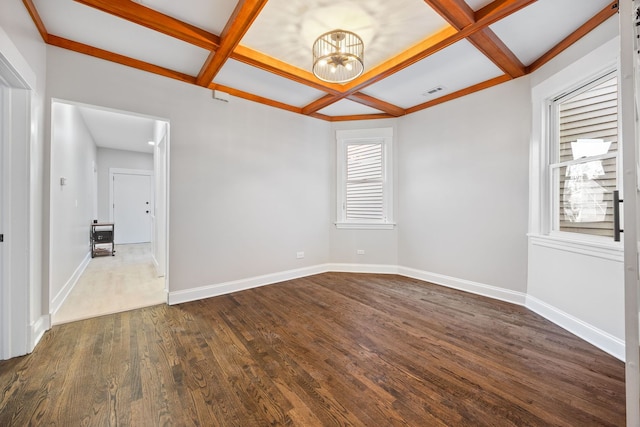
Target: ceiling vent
435 91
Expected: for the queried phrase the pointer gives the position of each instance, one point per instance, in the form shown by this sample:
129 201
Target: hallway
109 285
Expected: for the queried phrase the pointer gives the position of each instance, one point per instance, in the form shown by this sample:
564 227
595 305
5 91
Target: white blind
365 179
586 189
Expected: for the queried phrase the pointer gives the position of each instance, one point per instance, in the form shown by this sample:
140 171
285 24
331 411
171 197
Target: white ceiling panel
478 4
210 15
533 31
454 68
250 79
348 108
71 20
116 130
286 29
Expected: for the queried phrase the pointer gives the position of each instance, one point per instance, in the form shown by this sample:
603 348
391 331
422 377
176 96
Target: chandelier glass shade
338 56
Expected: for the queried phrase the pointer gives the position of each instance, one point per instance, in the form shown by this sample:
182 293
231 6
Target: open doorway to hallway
95 153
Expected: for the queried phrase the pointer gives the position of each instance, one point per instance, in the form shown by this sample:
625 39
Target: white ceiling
272 61
118 130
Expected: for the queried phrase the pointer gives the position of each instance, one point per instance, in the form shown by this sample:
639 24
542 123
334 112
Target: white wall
380 246
16 23
578 285
73 154
463 188
249 184
110 158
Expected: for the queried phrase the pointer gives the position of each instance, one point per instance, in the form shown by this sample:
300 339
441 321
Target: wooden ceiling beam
499 9
245 13
610 10
461 16
360 117
272 65
141 15
321 103
458 94
487 42
378 104
35 16
255 98
119 59
455 12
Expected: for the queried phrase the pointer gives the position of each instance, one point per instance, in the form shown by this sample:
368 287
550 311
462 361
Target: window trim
594 64
384 136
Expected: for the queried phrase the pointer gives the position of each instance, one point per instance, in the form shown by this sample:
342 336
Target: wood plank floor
332 349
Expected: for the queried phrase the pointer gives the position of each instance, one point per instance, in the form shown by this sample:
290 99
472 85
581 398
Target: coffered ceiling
418 53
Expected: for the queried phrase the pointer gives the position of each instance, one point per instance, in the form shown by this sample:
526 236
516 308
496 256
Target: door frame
19 291
122 171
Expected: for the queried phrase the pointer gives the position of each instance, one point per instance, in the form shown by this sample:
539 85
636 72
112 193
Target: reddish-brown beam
456 12
498 9
120 59
35 16
255 98
141 15
461 16
245 13
360 117
319 104
493 48
463 92
588 26
267 63
378 104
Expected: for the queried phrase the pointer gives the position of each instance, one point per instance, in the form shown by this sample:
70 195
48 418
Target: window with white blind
364 178
584 162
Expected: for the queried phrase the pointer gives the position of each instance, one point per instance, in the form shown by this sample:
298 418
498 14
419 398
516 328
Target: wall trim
202 292
59 299
38 328
493 292
597 337
362 268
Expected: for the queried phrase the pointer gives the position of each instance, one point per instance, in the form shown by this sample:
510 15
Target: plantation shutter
364 184
586 185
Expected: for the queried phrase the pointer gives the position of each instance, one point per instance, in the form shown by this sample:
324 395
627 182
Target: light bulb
348 66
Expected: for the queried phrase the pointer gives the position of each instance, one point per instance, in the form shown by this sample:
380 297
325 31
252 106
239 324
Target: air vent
436 90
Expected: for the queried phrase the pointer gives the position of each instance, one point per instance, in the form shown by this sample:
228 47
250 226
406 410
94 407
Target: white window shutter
365 182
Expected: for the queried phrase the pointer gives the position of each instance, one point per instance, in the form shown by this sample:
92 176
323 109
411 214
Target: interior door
132 204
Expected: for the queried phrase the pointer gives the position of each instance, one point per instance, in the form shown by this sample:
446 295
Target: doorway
110 156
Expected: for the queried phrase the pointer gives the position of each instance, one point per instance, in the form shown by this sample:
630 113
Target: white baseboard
209 291
362 268
465 285
599 338
37 330
57 300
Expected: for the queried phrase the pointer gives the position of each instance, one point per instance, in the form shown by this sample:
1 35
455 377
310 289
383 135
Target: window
364 178
583 162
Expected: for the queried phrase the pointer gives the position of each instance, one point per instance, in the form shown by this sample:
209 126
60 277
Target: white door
132 204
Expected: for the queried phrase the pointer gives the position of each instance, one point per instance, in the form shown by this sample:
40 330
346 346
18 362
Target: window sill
365 226
609 250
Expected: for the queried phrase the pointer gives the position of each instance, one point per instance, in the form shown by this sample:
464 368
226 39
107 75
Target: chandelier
338 56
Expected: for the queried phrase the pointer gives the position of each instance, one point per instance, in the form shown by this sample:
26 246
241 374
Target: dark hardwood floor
331 349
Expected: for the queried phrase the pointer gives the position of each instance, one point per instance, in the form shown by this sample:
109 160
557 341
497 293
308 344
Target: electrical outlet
360 251
299 255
